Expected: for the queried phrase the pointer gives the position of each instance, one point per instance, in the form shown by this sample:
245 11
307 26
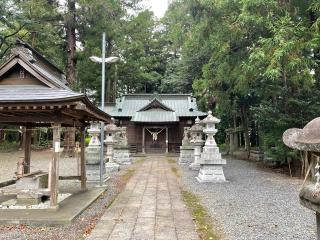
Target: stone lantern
211 163
93 154
308 139
196 132
111 129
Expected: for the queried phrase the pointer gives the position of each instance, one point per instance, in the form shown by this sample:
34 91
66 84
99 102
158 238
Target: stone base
211 173
194 166
93 173
112 167
28 201
186 155
33 181
122 156
28 198
92 154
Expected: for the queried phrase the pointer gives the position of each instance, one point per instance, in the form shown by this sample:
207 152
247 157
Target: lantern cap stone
306 139
111 127
197 120
196 127
210 119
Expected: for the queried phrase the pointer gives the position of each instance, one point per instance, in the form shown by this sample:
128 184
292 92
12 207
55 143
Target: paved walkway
150 207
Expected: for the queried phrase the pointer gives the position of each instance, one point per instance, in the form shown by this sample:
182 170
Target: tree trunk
245 126
285 96
70 21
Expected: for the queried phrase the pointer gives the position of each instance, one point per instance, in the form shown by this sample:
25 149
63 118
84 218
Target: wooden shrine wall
175 133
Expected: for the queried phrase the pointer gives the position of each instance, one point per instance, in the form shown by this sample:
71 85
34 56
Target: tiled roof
32 94
183 105
155 115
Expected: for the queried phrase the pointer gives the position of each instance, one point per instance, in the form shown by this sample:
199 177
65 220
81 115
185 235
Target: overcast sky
159 7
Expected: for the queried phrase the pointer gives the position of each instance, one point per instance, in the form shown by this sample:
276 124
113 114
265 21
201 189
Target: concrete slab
69 209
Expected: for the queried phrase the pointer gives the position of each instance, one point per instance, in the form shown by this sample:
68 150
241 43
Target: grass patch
170 160
6 146
175 171
200 216
140 160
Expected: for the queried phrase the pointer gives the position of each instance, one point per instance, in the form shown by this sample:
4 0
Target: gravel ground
254 204
82 225
39 161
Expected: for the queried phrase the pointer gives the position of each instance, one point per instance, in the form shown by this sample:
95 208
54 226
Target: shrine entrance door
155 139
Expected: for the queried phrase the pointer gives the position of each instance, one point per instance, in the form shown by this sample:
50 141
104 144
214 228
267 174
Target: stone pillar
111 130
197 142
197 154
186 150
211 163
93 155
121 152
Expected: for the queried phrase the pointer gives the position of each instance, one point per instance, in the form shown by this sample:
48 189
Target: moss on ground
200 216
170 160
140 160
127 175
175 171
174 168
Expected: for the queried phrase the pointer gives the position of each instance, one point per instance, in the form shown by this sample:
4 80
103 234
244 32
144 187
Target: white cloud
159 7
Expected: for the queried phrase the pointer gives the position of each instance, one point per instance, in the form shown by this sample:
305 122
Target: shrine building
154 122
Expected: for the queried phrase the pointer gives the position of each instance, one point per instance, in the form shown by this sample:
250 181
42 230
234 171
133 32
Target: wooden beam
53 166
69 177
82 159
27 150
167 140
7 183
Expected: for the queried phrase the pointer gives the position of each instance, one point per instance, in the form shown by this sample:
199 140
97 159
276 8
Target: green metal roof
155 115
183 105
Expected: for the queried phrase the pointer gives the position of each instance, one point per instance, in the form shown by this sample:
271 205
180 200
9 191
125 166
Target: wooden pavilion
34 93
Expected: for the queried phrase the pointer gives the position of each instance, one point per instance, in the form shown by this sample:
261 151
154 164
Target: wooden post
54 166
167 140
143 140
27 150
82 159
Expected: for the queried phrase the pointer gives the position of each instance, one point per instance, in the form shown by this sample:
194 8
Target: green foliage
8 146
87 140
37 22
253 61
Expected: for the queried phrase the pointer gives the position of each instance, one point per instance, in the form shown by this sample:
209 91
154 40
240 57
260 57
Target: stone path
150 207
